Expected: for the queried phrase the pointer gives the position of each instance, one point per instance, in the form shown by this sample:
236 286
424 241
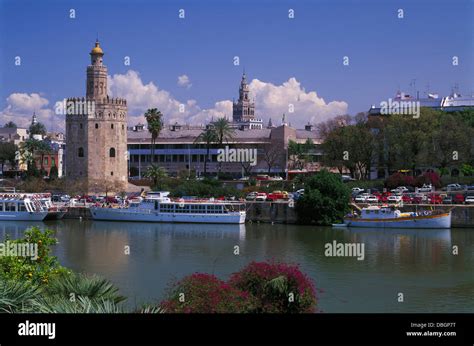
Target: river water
417 263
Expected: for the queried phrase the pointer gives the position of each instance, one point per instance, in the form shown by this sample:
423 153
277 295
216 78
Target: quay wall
281 212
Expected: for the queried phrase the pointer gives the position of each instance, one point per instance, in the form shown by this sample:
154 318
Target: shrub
274 284
428 178
325 200
204 293
39 269
399 179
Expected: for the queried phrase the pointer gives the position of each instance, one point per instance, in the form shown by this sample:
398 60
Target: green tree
10 125
7 153
325 200
224 133
208 136
37 129
154 120
53 172
157 174
29 149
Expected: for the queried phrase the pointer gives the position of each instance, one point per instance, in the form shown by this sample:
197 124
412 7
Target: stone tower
96 132
244 109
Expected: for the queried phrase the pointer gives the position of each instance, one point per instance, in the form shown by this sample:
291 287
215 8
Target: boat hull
429 221
23 216
112 214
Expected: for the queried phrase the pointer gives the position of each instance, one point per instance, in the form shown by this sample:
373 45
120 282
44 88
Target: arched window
112 152
80 152
80 126
96 125
112 126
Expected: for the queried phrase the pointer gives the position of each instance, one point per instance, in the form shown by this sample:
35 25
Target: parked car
448 200
458 199
251 196
276 178
276 195
371 199
361 198
400 189
435 199
426 188
454 187
394 199
65 198
261 196
469 200
470 187
357 189
407 199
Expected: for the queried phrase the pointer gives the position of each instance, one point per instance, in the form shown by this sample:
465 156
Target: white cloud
184 81
271 101
274 100
20 108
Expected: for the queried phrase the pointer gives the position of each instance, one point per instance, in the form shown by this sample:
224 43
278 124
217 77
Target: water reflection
419 263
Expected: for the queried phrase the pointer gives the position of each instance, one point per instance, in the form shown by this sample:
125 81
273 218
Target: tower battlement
96 131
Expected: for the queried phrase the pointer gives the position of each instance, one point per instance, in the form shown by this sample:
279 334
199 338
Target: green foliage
10 125
467 170
154 119
17 296
80 285
7 153
208 136
39 269
80 305
203 188
53 172
325 200
37 129
158 176
350 147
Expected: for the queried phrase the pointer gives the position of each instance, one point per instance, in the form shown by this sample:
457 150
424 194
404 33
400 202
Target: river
418 263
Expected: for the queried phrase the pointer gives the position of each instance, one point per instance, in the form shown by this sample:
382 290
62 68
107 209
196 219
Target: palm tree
154 118
156 173
223 130
224 133
30 148
208 136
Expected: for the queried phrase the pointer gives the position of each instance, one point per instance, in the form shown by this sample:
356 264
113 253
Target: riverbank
285 213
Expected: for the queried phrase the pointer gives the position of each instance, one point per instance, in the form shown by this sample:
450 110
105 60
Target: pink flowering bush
428 178
276 287
399 179
205 293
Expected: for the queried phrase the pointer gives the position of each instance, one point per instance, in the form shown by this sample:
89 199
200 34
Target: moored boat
390 217
21 207
158 207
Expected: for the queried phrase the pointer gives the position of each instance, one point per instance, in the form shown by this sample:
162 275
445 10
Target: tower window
112 152
123 127
80 152
112 126
96 125
80 126
111 173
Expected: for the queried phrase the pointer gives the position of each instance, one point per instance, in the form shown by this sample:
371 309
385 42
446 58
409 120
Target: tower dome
97 50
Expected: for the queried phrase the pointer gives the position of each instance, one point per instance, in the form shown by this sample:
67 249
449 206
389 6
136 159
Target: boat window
10 206
367 211
376 212
21 206
1 206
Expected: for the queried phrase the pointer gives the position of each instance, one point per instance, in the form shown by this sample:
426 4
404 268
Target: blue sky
385 52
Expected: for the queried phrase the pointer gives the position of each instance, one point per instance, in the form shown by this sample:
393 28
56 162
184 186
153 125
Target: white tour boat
158 207
21 207
390 217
